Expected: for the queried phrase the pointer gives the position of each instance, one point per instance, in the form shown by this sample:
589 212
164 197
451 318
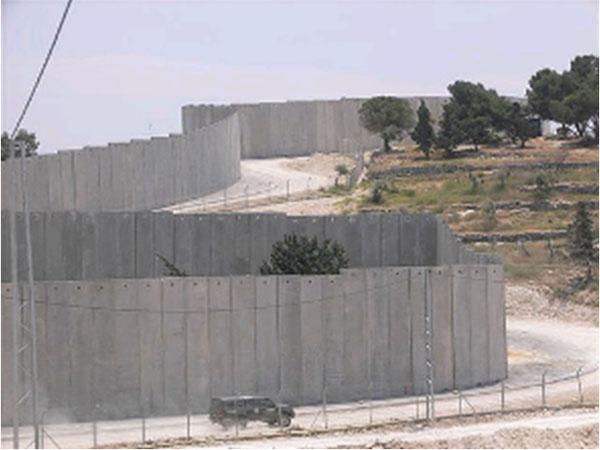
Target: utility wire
42 70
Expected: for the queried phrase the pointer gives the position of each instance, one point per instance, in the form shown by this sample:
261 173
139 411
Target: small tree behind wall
300 255
423 133
387 116
581 239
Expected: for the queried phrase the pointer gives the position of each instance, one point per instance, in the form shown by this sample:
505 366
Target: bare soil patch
577 437
536 300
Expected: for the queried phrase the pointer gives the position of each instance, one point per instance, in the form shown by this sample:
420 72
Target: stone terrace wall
88 246
133 176
149 347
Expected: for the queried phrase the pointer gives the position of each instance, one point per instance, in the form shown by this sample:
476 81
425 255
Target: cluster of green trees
26 141
569 98
477 115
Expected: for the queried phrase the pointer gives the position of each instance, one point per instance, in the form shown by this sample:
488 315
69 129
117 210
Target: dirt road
534 346
429 437
266 181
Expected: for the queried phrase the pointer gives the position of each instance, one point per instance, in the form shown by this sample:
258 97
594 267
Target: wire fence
272 192
372 410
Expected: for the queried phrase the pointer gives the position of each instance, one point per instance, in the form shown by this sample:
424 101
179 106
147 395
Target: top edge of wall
321 100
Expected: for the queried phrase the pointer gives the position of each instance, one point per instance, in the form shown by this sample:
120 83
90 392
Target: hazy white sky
123 69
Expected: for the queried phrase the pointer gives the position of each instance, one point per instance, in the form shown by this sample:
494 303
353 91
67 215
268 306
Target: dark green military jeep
227 411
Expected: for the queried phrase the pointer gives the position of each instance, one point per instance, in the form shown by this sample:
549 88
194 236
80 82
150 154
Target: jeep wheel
286 421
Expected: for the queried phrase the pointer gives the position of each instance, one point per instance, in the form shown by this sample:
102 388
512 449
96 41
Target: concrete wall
296 128
132 176
162 346
87 246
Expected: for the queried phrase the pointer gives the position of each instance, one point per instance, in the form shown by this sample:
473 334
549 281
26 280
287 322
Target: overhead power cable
42 70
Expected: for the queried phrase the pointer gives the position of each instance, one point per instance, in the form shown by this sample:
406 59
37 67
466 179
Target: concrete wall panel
333 335
417 314
6 366
163 242
58 333
185 242
355 334
290 338
400 331
5 247
371 240
441 297
479 325
38 236
145 259
151 347
174 333
72 245
312 330
220 337
89 240
496 324
461 327
378 314
410 241
346 230
390 240
243 303
67 179
198 356
107 192
267 341
80 322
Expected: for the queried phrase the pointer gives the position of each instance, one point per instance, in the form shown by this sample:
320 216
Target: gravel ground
577 437
526 300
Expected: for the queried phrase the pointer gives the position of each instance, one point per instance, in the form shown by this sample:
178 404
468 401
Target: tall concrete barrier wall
117 348
296 128
133 176
87 246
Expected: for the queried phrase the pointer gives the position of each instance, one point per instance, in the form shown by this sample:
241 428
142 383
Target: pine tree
423 133
303 256
581 239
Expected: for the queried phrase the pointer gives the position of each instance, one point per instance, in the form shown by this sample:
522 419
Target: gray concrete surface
132 176
128 348
295 128
78 246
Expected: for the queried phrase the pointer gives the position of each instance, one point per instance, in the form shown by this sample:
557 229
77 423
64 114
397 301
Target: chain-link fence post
237 418
459 403
279 411
417 407
579 387
188 425
143 428
370 402
247 194
544 388
42 429
287 189
94 434
502 396
325 407
430 409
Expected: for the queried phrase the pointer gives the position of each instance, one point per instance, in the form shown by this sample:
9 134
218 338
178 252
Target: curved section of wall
132 176
297 128
89 246
359 334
